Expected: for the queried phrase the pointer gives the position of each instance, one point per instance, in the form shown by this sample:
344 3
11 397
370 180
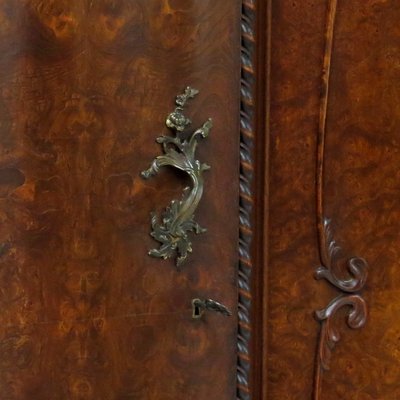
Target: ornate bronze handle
179 152
200 306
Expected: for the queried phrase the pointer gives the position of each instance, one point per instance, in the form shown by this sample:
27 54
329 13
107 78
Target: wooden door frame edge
254 209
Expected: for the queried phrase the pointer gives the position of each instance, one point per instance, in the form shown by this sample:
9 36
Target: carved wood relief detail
247 138
348 275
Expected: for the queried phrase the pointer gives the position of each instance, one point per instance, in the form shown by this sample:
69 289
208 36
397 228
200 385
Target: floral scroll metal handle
172 229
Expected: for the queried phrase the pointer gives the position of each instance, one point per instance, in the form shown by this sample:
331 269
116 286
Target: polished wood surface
333 158
364 148
85 87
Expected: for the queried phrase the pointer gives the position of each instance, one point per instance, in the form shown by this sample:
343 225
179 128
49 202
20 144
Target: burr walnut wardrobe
199 199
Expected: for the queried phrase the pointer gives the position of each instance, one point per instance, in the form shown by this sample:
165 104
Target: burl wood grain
361 194
297 47
363 149
85 87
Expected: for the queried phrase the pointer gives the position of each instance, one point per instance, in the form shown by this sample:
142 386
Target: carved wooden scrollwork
356 319
330 256
348 275
350 285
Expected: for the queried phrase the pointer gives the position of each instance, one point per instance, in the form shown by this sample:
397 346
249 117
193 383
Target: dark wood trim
264 73
246 230
252 336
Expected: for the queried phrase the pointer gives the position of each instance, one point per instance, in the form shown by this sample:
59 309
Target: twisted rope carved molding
331 255
247 137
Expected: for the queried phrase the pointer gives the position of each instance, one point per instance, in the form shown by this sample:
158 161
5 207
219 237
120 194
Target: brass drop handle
171 230
200 306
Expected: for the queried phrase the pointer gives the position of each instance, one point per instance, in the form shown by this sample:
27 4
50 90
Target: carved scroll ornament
347 274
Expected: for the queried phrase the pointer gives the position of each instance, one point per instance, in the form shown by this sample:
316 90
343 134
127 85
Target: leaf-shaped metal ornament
172 229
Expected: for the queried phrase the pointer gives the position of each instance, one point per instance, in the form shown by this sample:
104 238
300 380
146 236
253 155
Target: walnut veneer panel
297 45
334 155
85 87
363 188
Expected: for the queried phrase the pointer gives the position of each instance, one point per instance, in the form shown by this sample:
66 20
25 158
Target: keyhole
197 310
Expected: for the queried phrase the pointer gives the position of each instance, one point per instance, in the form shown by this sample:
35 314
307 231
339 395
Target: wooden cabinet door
333 200
85 90
304 187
